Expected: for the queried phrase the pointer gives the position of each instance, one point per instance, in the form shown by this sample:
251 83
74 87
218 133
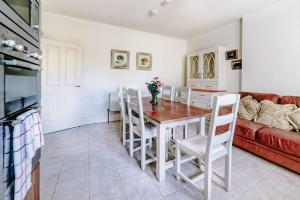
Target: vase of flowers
154 88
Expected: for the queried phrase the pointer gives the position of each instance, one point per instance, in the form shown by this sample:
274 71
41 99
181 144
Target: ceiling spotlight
153 12
166 2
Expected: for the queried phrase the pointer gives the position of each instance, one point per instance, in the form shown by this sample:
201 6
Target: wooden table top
169 111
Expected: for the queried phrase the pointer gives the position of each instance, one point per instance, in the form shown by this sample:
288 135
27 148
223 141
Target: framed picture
119 59
236 64
232 55
143 61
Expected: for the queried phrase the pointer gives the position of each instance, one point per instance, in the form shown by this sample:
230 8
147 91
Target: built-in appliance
20 73
20 69
20 82
24 14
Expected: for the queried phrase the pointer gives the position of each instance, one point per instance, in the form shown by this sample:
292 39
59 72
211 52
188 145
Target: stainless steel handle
21 64
78 86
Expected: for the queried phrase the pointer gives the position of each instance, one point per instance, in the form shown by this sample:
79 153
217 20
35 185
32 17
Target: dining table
166 115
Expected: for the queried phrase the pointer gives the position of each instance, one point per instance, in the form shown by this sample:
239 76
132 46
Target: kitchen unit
206 75
20 75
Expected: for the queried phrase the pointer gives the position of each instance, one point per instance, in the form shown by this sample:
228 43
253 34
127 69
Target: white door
61 79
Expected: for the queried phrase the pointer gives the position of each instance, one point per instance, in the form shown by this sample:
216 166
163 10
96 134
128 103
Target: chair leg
207 180
143 153
228 171
177 160
131 138
124 132
150 143
185 130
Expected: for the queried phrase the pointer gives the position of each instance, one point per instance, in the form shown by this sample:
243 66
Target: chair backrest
168 92
135 109
122 95
183 95
231 103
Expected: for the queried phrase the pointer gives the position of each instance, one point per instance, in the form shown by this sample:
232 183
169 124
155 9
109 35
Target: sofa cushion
275 115
294 119
261 96
248 108
247 129
282 140
290 100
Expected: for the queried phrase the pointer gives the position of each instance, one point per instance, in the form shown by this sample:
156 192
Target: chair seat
150 130
196 145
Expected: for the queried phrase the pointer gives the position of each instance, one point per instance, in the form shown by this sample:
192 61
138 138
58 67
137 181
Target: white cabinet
206 69
206 75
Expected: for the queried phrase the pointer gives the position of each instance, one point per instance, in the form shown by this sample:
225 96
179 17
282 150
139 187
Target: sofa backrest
290 100
262 96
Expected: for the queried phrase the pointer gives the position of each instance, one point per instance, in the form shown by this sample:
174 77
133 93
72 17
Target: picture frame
236 64
120 59
143 61
232 55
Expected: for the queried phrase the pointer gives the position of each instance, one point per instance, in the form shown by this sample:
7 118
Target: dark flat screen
21 7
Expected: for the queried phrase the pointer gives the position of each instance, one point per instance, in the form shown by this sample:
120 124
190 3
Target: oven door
21 85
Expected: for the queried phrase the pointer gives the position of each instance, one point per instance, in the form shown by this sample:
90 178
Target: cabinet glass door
209 65
194 67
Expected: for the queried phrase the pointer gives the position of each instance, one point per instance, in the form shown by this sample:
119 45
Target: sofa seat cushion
247 129
282 140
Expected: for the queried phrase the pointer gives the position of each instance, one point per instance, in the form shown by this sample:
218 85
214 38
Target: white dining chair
138 127
183 95
210 147
124 115
168 92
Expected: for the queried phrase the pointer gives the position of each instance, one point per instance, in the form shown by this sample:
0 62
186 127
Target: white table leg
160 153
201 126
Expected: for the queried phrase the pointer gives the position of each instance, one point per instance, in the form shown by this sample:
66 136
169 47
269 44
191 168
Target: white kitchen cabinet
206 69
206 75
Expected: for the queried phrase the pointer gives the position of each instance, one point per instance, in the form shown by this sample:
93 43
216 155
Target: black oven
25 14
20 83
20 73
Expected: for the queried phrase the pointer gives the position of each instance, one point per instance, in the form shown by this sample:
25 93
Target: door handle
77 86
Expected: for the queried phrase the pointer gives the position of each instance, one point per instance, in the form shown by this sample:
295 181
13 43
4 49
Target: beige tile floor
90 162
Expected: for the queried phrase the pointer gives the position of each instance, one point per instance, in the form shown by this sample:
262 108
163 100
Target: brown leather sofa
279 146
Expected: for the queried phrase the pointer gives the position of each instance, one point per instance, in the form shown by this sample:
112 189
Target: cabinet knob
9 43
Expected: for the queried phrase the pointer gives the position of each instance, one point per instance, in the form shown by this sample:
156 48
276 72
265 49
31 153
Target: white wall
97 40
271 49
227 36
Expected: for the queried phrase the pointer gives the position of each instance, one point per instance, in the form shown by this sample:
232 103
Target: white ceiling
182 18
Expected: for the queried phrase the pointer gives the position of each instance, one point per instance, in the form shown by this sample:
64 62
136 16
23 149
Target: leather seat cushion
282 140
247 129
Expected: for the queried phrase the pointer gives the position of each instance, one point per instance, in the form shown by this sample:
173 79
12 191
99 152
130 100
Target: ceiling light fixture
153 12
166 2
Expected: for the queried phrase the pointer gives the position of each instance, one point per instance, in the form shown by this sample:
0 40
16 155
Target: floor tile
72 190
90 163
142 188
111 193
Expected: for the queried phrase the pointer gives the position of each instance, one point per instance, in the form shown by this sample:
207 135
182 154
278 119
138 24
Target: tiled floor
90 163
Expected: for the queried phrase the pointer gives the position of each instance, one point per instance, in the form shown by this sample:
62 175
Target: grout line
59 171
